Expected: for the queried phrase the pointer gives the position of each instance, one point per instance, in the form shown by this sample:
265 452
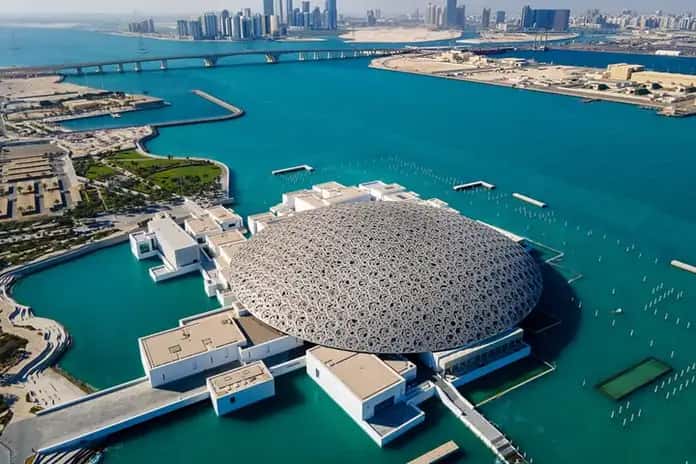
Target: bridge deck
486 431
213 57
97 416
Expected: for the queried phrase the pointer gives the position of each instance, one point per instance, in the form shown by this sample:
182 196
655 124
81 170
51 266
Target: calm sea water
619 182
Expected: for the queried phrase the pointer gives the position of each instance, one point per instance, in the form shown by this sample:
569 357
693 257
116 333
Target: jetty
477 423
301 167
436 455
683 266
530 200
472 185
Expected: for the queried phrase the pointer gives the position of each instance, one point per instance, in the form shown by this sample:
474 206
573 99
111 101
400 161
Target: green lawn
177 175
483 389
629 380
98 171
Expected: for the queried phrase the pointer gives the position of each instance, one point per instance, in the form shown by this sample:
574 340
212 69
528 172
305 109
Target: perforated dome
385 277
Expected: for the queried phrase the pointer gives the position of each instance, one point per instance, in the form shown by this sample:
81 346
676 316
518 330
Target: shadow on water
435 413
554 323
288 396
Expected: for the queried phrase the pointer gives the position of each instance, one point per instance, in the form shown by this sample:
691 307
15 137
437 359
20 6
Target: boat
115 115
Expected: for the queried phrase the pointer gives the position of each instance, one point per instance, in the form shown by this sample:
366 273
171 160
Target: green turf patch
633 378
174 175
502 380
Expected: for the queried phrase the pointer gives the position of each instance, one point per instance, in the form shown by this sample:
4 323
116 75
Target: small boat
115 115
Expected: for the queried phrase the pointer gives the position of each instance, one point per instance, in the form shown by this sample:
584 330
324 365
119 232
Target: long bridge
208 59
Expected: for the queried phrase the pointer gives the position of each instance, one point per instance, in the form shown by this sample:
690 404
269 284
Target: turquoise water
619 182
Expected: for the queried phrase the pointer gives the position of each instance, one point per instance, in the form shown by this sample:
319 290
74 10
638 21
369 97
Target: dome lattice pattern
385 277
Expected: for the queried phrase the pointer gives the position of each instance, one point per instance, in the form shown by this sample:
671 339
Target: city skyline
348 7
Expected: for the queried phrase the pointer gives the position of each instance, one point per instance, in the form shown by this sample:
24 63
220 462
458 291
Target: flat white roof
364 374
198 336
204 225
239 379
221 214
227 238
167 230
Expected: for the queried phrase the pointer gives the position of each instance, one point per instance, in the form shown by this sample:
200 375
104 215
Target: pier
530 200
438 454
208 60
301 167
472 185
683 266
234 112
477 423
78 423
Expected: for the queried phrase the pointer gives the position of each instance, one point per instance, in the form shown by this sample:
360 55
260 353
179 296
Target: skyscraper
461 16
527 18
210 25
486 18
182 29
289 18
451 13
546 20
499 17
237 27
332 23
225 23
195 29
278 11
267 7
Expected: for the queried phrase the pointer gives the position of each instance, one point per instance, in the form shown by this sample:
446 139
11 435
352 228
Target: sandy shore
398 35
512 37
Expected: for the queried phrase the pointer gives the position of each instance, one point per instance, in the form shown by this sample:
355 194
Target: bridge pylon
164 65
210 61
137 66
272 58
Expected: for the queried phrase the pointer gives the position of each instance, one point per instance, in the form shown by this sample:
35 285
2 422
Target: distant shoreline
177 39
398 35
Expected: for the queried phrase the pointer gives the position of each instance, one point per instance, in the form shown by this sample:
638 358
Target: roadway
210 59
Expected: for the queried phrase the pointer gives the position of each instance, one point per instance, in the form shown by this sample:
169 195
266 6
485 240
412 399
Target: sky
353 7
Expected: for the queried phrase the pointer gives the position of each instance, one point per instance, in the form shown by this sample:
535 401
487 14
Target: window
232 399
316 373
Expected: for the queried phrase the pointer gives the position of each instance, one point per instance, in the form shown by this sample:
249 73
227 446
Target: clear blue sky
348 6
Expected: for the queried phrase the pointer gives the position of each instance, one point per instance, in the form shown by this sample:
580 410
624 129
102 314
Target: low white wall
91 396
495 365
419 419
170 274
85 439
288 366
224 404
268 349
334 388
167 373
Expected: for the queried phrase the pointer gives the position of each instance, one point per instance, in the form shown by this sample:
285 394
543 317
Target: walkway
477 423
91 418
